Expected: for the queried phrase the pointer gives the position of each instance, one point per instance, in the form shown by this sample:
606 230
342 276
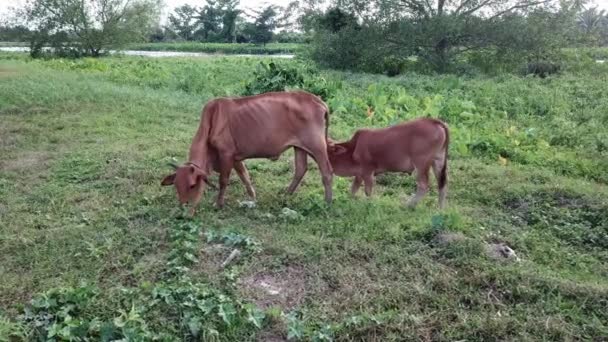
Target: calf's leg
368 179
301 166
241 170
422 186
356 185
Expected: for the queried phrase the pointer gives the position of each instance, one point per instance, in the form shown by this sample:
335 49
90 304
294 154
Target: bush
271 76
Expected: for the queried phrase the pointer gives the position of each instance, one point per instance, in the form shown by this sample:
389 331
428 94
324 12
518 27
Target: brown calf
415 145
261 126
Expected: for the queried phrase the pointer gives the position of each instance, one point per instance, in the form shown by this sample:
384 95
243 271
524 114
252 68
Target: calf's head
340 157
189 180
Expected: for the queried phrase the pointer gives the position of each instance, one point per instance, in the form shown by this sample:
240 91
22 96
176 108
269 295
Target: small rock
290 213
268 216
500 251
272 290
247 204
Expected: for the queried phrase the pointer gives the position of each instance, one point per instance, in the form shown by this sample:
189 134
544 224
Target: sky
170 4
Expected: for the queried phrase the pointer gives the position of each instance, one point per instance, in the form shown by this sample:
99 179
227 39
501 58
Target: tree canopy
89 27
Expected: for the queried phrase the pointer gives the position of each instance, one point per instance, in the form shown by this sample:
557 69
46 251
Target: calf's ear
168 180
337 149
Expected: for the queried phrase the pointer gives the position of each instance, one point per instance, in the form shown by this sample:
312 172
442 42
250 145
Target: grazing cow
261 126
415 145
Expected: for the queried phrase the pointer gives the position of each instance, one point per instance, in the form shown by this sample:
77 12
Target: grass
84 144
223 48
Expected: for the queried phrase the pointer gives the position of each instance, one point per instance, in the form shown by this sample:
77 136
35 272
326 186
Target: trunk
441 54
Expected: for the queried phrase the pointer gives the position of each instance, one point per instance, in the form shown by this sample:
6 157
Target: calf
418 145
261 126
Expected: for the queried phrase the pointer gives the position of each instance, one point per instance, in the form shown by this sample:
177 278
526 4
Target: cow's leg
422 185
356 185
368 179
226 165
241 170
442 184
301 166
319 153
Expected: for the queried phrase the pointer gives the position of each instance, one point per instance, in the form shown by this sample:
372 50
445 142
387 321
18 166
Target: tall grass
84 144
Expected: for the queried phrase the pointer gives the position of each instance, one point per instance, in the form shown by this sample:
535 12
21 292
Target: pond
161 53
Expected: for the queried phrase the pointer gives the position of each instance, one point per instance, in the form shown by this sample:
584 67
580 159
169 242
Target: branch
416 6
463 4
474 9
518 7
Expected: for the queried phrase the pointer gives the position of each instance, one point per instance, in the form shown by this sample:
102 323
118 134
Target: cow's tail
326 123
443 173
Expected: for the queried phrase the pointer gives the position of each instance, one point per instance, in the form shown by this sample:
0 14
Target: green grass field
91 245
223 48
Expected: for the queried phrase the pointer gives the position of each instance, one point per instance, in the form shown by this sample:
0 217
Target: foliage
265 22
272 76
183 21
89 28
336 19
593 24
16 33
440 34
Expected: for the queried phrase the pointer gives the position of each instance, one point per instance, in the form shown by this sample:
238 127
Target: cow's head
189 180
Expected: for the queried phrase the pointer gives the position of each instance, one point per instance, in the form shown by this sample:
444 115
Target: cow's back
265 125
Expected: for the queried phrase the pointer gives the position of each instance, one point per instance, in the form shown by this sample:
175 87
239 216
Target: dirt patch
286 288
270 336
25 161
8 72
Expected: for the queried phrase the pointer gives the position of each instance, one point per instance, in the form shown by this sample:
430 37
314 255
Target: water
158 54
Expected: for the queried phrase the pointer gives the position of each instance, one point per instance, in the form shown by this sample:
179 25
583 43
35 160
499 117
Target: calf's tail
443 174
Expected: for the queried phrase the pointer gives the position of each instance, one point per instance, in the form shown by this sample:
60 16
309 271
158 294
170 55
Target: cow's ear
205 179
193 176
168 180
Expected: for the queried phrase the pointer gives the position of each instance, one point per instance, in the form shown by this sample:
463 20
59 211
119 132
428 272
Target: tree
89 27
438 32
210 18
230 15
591 22
336 19
266 21
184 21
16 33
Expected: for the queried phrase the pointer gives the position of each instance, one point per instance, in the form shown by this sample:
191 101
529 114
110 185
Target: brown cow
415 145
261 126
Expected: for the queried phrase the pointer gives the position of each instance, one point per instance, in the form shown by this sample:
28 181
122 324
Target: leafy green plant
271 76
231 239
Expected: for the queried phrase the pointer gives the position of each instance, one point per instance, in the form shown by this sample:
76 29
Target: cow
260 126
417 145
